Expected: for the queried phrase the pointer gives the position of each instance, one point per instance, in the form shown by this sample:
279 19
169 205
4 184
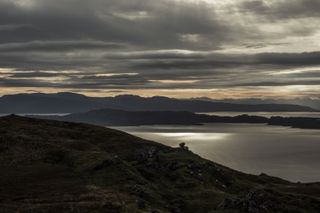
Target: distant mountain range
313 103
112 117
74 103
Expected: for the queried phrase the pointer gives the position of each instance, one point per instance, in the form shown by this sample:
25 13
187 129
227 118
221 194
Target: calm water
267 114
293 154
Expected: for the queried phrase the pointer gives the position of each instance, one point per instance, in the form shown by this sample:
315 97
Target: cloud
162 23
58 46
282 9
167 44
314 82
147 69
216 60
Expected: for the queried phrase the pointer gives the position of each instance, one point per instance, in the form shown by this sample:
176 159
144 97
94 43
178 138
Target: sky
177 48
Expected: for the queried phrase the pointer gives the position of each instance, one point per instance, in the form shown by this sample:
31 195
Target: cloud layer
234 48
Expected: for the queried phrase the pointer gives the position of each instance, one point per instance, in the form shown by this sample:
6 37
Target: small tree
183 146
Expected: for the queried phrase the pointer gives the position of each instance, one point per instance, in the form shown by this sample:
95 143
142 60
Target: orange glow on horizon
283 92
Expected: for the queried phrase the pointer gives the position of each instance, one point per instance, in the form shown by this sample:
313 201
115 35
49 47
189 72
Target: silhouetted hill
46 103
52 166
73 103
112 117
120 117
163 103
313 103
304 123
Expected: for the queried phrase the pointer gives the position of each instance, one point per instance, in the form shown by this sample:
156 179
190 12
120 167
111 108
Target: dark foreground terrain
53 166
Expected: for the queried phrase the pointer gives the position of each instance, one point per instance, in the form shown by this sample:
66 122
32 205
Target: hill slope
52 166
72 103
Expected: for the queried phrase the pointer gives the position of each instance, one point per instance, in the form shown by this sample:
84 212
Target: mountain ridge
313 103
74 103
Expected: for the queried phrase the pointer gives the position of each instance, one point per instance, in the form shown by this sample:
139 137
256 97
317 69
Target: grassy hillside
52 166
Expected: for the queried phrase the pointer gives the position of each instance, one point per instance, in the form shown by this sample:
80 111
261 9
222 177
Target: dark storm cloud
205 68
290 18
31 75
70 26
212 61
137 44
312 74
283 9
314 82
138 22
57 46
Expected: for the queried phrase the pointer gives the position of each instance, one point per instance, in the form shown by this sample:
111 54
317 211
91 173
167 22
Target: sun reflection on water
195 135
